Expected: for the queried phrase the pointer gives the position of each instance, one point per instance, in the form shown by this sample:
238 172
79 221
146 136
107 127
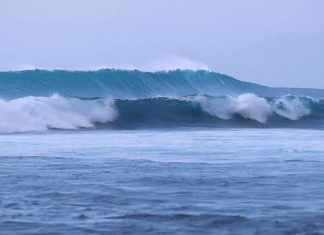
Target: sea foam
248 106
41 113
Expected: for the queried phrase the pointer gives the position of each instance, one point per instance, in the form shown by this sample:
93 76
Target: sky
271 42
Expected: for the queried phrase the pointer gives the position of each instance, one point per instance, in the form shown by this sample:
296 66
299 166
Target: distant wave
126 84
246 110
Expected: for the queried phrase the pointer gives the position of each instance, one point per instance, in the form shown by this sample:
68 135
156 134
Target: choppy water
163 181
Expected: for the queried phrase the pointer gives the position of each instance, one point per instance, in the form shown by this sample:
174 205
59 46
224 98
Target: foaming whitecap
248 106
42 113
291 107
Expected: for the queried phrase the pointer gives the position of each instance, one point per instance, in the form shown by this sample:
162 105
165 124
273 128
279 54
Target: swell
123 84
246 110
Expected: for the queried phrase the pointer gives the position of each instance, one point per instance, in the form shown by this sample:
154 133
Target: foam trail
41 113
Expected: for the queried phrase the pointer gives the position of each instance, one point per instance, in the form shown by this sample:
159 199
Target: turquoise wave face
123 84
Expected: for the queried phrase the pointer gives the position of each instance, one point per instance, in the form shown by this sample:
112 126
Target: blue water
163 181
40 100
178 152
133 84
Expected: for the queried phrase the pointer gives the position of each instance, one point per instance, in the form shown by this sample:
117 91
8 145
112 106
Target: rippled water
167 181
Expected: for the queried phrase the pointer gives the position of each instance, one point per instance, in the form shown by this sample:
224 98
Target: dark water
182 181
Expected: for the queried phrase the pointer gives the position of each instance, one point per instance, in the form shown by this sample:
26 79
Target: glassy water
163 181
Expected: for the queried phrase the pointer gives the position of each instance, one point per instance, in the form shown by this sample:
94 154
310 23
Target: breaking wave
55 112
246 110
39 100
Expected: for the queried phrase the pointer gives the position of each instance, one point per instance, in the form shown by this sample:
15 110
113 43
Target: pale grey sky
272 42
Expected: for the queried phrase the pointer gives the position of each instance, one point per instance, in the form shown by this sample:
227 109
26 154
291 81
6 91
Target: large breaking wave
40 100
246 110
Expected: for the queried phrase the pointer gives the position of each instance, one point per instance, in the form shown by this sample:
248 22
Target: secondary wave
246 110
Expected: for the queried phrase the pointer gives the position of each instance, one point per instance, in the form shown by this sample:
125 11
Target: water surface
163 181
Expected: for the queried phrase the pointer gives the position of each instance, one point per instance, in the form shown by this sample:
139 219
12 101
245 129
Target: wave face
40 100
121 84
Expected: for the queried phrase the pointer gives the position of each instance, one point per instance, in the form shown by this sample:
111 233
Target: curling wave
246 110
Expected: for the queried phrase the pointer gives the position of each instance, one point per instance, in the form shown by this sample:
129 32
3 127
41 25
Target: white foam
252 107
41 113
221 107
291 107
248 106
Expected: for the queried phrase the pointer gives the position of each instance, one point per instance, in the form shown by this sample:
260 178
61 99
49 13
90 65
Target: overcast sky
273 42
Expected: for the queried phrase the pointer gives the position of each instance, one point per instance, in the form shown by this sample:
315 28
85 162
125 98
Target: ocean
179 152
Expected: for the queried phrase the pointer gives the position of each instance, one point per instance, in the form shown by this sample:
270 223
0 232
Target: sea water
163 181
173 152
